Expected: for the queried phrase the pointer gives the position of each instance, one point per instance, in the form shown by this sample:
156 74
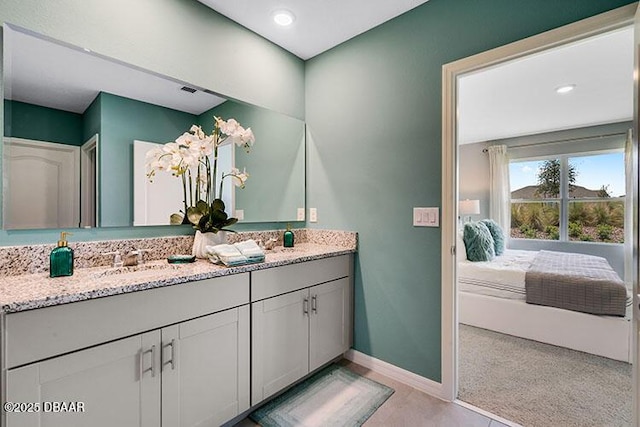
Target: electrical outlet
313 215
240 214
300 216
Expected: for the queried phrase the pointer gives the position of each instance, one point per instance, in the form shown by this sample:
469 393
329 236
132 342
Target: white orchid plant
193 157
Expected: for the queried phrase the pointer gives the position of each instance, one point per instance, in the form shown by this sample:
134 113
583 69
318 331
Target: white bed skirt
606 336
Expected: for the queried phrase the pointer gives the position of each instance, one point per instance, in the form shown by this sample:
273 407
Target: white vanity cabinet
176 356
105 379
184 361
205 372
301 319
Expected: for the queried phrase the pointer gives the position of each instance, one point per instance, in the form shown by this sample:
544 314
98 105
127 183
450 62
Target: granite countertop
31 291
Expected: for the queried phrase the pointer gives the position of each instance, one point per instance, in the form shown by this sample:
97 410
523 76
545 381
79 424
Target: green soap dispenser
288 237
61 258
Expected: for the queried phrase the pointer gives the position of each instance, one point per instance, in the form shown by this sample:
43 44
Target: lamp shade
469 207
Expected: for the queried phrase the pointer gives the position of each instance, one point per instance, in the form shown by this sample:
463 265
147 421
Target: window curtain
628 210
499 194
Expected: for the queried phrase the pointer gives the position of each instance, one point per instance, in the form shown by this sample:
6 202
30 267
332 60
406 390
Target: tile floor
408 407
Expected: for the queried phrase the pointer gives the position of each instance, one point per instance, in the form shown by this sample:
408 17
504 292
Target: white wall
473 176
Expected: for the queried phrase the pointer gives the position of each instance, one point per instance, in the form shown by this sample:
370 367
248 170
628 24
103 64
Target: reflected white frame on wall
589 27
90 172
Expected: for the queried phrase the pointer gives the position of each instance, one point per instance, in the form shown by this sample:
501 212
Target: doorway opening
503 326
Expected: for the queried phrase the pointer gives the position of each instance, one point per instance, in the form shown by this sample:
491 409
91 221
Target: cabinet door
205 369
117 384
280 337
330 321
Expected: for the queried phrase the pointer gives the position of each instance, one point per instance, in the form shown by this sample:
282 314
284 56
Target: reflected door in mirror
42 185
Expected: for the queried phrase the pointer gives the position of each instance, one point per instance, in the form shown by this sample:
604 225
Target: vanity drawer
289 278
42 333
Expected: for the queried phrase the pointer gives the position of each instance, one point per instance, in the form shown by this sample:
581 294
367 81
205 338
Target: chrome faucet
268 245
140 254
135 257
117 259
130 259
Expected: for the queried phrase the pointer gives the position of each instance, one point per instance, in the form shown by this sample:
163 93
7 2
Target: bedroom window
569 198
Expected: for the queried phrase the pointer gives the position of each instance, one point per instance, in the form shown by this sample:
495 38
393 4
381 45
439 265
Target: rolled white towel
250 249
228 254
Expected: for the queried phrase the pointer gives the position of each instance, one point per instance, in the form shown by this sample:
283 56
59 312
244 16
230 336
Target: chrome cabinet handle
305 306
153 366
171 361
314 304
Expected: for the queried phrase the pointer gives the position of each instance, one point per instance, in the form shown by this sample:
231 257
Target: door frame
605 22
89 173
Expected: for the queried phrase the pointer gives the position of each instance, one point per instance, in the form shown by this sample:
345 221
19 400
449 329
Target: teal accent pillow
478 241
497 234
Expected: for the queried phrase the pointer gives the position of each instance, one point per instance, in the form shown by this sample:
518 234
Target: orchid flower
193 157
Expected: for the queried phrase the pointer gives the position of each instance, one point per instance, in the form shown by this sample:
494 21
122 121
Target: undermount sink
135 269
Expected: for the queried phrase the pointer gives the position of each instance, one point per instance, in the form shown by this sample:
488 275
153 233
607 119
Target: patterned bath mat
334 397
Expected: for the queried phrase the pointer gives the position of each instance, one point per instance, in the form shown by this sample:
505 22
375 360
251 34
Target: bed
494 294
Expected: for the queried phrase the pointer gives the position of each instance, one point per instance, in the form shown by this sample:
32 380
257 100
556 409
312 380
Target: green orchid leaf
202 206
176 219
203 223
194 215
218 216
217 204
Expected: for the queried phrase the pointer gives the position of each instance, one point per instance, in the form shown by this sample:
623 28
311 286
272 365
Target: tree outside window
570 198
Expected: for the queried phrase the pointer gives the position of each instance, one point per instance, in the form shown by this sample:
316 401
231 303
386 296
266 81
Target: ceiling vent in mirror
188 89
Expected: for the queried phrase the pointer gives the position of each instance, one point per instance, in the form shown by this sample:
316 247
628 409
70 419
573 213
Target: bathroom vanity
191 345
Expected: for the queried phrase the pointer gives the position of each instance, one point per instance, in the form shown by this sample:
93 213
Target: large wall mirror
72 119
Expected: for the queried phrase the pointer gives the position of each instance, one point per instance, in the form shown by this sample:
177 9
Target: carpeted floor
536 384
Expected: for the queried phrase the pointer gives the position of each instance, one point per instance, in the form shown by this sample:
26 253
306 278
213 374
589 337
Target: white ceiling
319 25
519 98
42 72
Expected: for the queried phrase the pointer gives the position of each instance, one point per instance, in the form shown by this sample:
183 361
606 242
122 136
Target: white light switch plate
313 215
300 215
240 214
426 217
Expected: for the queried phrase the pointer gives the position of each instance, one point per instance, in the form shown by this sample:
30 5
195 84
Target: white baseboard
402 375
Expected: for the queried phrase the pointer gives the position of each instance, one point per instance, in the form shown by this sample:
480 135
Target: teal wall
124 120
22 120
275 164
373 113
182 39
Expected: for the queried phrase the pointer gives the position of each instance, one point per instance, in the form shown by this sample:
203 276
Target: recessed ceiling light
565 88
283 18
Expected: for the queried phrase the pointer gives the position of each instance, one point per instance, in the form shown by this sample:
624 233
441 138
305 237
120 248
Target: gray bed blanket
575 282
